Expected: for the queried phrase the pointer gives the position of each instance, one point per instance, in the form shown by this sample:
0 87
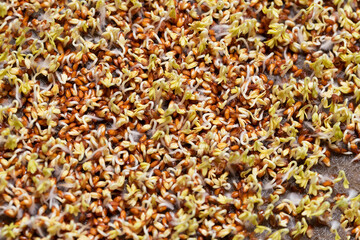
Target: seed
10 213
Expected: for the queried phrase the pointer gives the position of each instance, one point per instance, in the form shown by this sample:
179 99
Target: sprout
3 181
320 63
286 67
80 150
300 228
303 177
271 12
10 231
203 41
340 177
261 229
152 61
171 8
21 39
222 75
32 166
278 234
15 122
47 171
118 184
199 26
176 82
249 26
74 210
54 226
54 34
42 185
3 9
278 30
114 233
275 122
183 40
11 142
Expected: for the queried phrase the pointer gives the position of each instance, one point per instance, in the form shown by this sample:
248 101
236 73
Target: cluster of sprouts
178 119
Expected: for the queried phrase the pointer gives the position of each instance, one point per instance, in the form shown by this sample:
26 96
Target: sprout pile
168 119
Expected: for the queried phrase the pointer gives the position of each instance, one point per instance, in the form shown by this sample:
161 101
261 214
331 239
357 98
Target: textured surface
166 119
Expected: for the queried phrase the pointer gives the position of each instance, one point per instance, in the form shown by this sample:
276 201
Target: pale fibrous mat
167 119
